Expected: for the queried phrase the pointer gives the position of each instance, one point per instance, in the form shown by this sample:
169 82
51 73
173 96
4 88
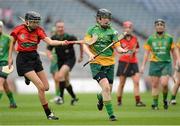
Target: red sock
45 106
46 109
119 98
138 99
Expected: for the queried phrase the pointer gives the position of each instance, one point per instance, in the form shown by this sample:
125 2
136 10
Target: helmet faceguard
159 21
32 18
160 26
104 13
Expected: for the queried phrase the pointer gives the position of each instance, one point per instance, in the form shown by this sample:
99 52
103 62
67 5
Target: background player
66 60
128 64
160 46
4 47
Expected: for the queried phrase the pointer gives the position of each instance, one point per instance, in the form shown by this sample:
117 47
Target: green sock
155 100
11 98
57 92
173 97
99 97
165 94
109 108
1 93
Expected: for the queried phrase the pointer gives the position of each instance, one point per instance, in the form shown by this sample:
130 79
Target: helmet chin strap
160 33
105 26
29 27
128 35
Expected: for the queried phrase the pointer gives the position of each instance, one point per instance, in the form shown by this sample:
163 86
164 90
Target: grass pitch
30 112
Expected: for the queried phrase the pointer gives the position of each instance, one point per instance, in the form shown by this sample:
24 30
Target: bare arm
146 56
81 53
119 49
88 52
54 42
11 48
176 56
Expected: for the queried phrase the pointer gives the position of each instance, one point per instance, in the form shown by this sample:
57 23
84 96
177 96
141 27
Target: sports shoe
58 100
112 118
140 104
12 105
173 102
27 81
154 107
51 116
74 101
165 104
100 103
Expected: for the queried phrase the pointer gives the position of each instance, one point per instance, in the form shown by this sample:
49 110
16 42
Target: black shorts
69 62
131 70
28 61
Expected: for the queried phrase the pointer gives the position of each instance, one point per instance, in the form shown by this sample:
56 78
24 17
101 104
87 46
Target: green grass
30 112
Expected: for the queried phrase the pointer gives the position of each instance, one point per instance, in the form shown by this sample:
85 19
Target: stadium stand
79 16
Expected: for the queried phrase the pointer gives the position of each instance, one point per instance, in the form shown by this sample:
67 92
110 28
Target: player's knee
107 89
164 83
59 77
46 88
178 82
41 87
155 85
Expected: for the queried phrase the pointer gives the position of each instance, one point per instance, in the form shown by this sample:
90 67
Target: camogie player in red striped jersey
128 64
29 65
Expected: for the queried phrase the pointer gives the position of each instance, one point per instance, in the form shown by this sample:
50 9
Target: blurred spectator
47 21
7 17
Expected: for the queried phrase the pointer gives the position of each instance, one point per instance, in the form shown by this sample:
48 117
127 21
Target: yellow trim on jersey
152 56
103 60
87 38
147 47
178 44
173 45
116 45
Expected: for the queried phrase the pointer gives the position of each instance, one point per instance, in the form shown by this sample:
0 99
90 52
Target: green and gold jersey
160 47
4 47
105 37
178 44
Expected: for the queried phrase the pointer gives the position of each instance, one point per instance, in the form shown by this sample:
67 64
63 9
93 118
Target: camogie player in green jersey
97 38
160 46
4 49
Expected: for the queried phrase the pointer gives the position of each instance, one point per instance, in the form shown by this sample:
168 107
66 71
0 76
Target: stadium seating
78 17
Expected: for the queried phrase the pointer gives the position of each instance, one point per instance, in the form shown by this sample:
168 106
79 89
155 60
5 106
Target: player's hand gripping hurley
132 53
121 36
